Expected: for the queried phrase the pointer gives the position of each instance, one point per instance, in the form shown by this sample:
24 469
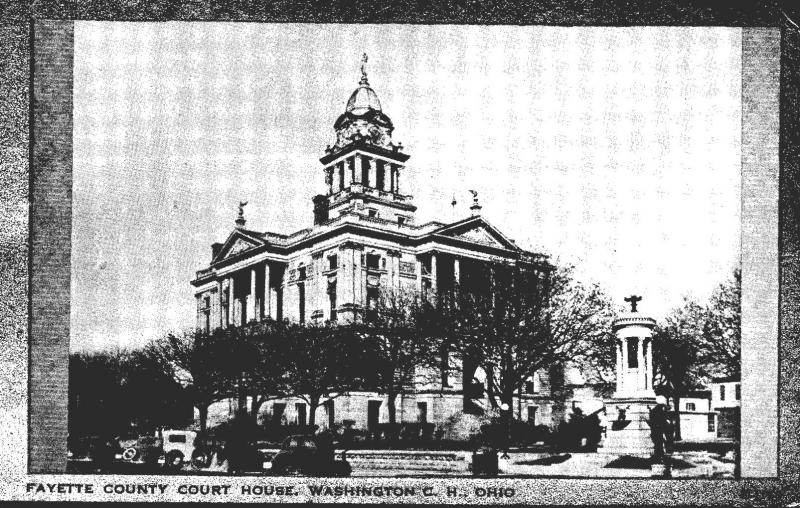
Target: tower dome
363 118
363 99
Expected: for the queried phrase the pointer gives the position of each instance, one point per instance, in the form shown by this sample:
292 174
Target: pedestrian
658 425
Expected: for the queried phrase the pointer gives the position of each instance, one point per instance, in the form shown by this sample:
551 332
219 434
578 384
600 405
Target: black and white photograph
457 253
405 251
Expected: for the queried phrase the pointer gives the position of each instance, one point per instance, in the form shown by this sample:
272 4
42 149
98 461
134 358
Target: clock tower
364 166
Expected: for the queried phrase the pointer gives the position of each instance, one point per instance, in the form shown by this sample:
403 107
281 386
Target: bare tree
525 321
720 351
675 354
393 348
196 361
321 362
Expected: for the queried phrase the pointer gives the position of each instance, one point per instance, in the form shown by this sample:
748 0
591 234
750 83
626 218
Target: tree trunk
677 432
202 410
255 405
392 398
313 404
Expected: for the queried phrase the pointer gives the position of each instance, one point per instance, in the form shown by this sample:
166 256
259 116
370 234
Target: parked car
178 448
307 455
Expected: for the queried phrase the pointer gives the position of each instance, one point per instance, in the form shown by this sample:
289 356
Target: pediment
480 232
236 244
478 235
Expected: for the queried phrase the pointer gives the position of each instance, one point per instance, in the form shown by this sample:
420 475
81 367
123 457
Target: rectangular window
445 368
529 387
422 412
365 171
341 175
633 354
532 414
373 261
372 298
711 426
401 221
333 262
722 392
380 174
332 299
372 212
690 406
301 296
738 392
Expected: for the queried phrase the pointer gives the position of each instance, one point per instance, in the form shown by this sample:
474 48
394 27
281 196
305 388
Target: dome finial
363 80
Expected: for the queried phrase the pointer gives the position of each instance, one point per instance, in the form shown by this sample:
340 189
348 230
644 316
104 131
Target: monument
628 409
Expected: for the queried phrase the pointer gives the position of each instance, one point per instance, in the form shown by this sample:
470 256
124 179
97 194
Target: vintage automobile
178 448
307 455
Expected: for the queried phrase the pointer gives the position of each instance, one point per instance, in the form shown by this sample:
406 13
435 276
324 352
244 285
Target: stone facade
365 241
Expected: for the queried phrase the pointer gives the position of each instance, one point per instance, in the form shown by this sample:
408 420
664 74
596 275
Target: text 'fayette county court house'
365 240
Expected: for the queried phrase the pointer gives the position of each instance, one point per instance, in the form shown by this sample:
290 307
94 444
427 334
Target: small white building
726 399
697 419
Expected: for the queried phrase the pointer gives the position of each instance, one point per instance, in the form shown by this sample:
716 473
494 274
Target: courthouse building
366 240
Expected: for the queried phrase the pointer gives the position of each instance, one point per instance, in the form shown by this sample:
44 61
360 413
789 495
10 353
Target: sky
613 149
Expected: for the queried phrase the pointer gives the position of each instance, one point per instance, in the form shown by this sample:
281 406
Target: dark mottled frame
45 245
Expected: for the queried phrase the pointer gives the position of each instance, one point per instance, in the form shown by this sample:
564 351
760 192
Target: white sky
616 149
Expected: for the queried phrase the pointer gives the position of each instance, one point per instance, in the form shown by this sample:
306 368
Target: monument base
628 432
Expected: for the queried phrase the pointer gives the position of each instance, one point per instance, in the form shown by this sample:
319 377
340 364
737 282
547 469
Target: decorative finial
476 208
633 300
240 220
454 202
364 71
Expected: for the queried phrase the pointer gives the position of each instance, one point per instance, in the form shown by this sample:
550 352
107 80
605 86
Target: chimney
215 248
320 209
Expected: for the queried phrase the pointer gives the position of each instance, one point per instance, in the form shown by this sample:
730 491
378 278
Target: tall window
380 174
341 175
333 262
445 368
301 292
365 171
332 299
690 406
722 392
711 422
207 314
738 392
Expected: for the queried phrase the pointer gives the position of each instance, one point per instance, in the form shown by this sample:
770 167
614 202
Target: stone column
434 285
391 176
649 358
419 277
456 272
267 292
231 303
357 167
373 173
618 345
397 179
624 363
220 316
329 175
640 364
251 298
351 167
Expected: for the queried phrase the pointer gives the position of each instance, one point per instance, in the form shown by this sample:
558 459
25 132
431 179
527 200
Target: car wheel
174 461
201 459
130 453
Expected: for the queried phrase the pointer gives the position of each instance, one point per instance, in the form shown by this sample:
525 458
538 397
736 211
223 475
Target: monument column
630 405
220 315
